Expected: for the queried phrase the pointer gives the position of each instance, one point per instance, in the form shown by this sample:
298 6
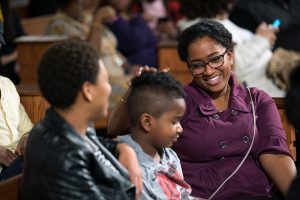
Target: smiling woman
220 122
218 125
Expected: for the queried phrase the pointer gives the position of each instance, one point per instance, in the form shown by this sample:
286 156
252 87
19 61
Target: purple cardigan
135 40
213 143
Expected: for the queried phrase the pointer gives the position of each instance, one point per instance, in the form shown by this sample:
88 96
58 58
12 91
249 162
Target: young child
155 106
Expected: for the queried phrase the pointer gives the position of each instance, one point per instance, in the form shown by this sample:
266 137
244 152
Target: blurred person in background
136 40
82 19
9 55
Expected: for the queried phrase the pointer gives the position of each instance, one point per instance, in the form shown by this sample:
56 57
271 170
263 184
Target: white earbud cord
239 166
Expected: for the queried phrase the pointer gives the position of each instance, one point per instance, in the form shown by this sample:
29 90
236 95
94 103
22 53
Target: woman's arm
280 168
272 150
104 14
118 120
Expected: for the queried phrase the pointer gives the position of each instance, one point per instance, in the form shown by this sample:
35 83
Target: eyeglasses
199 67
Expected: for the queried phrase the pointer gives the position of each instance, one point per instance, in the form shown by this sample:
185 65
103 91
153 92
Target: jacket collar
62 127
65 129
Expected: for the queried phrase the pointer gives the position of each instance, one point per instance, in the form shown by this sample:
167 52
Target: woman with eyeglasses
230 148
252 50
220 124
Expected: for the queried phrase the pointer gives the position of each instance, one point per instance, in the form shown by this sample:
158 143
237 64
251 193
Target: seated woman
159 17
135 39
74 20
64 158
233 144
252 51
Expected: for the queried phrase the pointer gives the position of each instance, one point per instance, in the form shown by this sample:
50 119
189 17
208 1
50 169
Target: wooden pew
36 25
30 50
36 105
168 58
10 189
289 130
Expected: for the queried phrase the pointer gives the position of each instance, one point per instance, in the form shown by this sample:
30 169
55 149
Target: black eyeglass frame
204 64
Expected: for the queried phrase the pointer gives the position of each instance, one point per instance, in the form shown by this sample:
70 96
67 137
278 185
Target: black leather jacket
59 165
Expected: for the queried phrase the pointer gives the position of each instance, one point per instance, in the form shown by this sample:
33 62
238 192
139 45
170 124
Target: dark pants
15 168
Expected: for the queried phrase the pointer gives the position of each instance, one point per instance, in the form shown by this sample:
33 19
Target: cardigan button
222 145
246 139
234 112
216 116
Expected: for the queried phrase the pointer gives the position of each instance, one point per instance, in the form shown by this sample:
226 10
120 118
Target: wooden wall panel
30 51
36 105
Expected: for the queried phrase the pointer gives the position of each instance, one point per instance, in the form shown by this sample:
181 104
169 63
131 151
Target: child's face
166 129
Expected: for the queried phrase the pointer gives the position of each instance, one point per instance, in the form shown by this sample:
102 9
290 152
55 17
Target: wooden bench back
289 130
10 189
30 51
36 25
36 105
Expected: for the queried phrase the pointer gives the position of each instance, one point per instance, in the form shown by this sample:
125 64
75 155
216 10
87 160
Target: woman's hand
20 150
267 32
118 121
128 159
146 68
6 156
105 14
167 30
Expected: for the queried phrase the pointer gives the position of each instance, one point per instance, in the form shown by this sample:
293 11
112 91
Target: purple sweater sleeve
271 135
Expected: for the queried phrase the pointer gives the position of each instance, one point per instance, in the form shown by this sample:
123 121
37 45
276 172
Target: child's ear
146 122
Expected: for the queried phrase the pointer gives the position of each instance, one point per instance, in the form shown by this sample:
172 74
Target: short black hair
204 28
292 101
152 93
64 68
204 8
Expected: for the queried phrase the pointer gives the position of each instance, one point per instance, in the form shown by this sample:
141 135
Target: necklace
222 103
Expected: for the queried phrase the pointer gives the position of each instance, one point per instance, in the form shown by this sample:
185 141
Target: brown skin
6 156
213 81
121 5
91 104
279 167
20 150
153 133
267 32
104 14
